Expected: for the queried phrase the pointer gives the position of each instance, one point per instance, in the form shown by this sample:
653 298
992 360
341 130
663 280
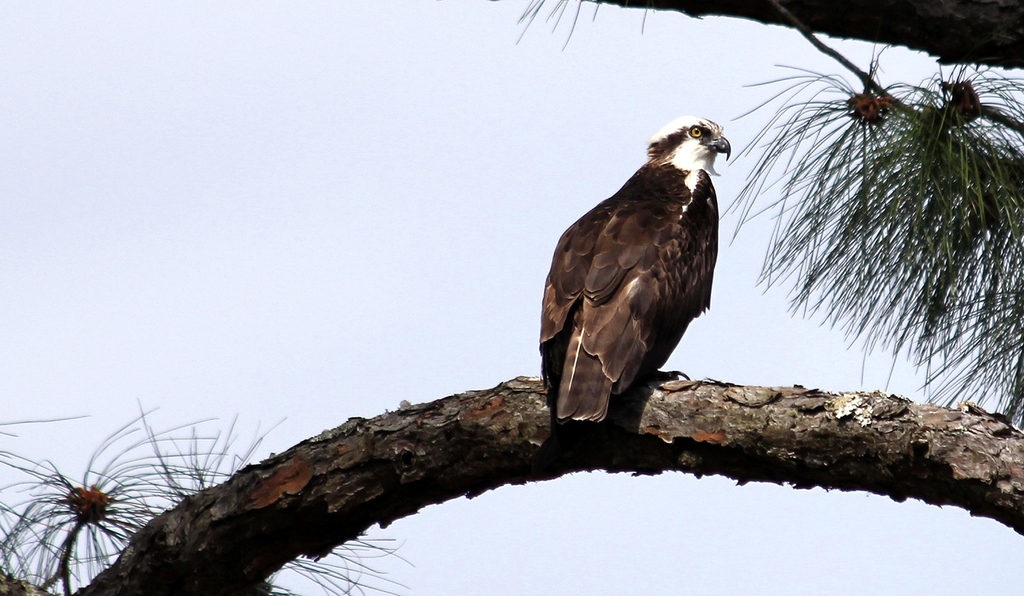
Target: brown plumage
628 277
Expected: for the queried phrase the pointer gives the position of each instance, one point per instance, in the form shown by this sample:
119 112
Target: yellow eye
695 132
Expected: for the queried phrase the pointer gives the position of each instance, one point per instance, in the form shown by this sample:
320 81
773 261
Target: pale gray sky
314 210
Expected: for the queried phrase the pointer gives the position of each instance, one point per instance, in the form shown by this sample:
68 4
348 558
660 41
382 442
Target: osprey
629 276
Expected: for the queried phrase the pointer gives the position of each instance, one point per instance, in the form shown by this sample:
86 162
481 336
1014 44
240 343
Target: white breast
691 180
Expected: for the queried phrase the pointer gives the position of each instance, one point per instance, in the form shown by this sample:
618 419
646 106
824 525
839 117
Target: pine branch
331 488
865 78
996 115
955 31
15 587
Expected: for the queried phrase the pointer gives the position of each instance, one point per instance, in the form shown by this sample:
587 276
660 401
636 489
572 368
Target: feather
625 282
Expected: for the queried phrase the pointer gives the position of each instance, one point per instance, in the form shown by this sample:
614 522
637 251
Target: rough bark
984 31
331 488
16 587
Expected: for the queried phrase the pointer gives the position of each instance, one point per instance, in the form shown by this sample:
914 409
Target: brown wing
616 300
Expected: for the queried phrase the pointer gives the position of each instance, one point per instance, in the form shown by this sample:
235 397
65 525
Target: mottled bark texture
331 488
16 587
984 31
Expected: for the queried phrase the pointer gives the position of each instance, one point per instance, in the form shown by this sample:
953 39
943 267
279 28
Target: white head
689 143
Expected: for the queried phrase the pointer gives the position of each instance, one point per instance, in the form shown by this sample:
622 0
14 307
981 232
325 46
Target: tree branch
331 488
865 78
955 31
9 586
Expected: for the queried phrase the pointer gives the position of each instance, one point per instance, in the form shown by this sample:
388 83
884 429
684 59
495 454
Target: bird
627 279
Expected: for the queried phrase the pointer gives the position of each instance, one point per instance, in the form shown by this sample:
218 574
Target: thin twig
991 113
988 112
65 558
807 32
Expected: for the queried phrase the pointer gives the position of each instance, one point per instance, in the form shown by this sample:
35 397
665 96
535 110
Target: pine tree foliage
900 215
59 531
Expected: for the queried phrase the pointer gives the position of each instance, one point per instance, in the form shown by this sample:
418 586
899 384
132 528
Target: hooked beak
721 145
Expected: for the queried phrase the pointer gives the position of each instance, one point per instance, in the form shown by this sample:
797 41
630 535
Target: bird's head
689 143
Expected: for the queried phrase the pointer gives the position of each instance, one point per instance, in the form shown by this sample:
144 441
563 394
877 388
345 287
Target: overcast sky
299 212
